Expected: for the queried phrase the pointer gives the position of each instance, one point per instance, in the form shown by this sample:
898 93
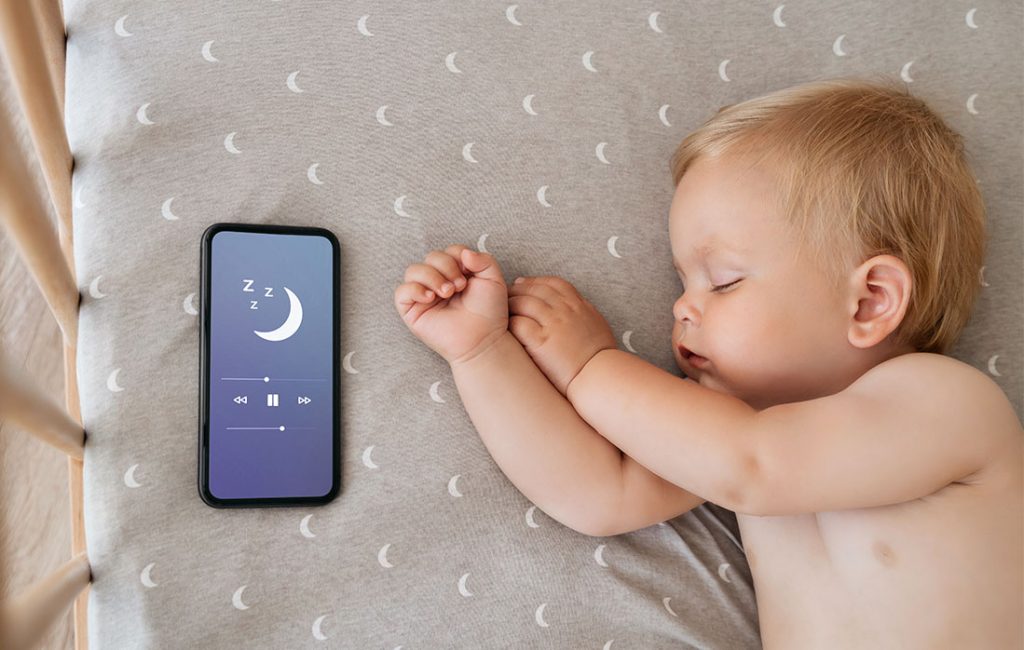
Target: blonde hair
864 169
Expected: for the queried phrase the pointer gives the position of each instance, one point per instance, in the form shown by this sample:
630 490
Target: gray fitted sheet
392 186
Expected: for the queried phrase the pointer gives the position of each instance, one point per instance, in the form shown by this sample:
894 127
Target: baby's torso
942 571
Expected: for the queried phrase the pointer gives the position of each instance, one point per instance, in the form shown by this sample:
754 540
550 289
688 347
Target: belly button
884 553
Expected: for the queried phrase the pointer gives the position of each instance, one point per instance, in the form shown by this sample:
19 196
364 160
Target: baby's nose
683 310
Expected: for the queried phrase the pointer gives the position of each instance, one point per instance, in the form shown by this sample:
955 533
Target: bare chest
919 568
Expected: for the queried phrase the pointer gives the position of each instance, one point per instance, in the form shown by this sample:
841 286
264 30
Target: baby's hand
560 330
464 319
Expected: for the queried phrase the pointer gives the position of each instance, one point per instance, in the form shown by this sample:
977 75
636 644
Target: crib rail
33 39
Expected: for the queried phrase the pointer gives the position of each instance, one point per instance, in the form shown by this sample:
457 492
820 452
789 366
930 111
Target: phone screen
271 430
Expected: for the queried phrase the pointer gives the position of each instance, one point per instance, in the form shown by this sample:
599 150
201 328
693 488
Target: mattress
539 132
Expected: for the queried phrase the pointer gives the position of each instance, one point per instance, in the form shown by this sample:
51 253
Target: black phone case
204 355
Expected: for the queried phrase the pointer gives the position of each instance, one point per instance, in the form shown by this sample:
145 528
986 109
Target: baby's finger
431 278
530 306
526 330
455 250
543 292
448 266
560 285
412 292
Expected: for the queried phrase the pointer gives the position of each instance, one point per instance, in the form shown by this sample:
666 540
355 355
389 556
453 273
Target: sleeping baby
829 240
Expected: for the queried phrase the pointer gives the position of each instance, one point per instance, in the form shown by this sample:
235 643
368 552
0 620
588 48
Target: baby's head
842 226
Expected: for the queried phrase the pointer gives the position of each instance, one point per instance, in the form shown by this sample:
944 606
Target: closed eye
724 286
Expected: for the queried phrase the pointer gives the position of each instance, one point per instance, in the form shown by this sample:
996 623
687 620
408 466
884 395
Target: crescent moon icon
611 247
837 46
433 393
527 104
382 556
992 366
652 20
236 599
290 325
229 143
141 116
608 645
449 61
539 615
721 70
626 341
453 489
292 86
119 27
510 14
722 569
466 593
94 288
398 207
361 26
481 244
346 363
905 72
380 116
207 54
542 196
969 18
599 555
311 174
112 382
981 277
187 305
970 104
317 633
304 527
366 458
599 150
145 576
529 518
78 198
662 115
777 16
467 153
129 477
165 210
588 62
665 601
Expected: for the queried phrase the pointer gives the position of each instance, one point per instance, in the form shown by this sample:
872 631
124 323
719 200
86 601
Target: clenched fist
456 302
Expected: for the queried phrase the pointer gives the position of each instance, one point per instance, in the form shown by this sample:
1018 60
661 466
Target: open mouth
692 358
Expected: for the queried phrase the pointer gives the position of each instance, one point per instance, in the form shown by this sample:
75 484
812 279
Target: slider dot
282 428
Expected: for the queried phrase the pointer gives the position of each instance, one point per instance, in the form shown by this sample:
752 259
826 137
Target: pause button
272 399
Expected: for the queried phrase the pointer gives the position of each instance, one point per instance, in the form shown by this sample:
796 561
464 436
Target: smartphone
269 403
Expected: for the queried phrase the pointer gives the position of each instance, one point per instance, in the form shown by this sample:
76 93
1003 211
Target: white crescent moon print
290 325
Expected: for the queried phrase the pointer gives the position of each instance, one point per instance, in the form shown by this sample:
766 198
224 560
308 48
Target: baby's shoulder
951 391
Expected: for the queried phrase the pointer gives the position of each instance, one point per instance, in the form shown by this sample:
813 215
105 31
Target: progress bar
264 379
281 428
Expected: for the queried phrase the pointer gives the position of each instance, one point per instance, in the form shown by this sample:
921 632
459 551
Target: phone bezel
204 354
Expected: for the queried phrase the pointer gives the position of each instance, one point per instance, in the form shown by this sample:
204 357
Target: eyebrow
706 250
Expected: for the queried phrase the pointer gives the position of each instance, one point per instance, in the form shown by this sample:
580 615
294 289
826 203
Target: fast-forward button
304 400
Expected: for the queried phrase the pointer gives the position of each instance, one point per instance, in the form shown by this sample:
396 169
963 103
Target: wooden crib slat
22 38
27 407
53 37
32 229
27 617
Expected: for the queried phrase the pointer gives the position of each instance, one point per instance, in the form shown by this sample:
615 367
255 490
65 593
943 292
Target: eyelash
717 289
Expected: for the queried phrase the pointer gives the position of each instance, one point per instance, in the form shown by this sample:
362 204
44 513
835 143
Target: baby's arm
903 430
552 455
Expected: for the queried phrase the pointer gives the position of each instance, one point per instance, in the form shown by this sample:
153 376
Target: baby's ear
879 295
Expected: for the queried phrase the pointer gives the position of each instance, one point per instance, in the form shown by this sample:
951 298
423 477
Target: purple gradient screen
271 404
